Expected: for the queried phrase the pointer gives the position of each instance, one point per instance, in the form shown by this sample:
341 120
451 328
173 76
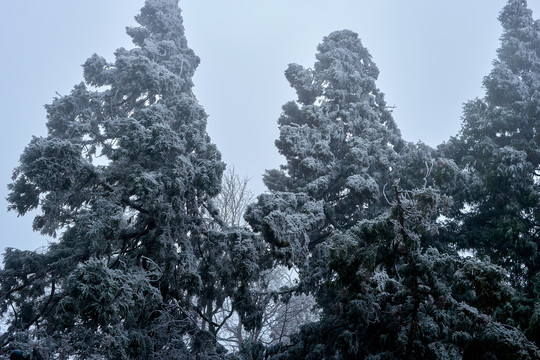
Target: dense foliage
365 217
498 147
126 178
499 150
364 247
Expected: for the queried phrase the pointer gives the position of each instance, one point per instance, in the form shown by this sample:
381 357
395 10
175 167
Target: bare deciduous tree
234 198
279 318
283 312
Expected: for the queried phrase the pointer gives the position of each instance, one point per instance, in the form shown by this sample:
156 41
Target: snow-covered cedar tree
338 138
499 148
125 179
339 141
385 286
385 296
342 147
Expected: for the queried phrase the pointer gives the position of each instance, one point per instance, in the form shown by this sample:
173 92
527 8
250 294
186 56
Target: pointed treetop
344 70
345 47
516 15
519 28
159 20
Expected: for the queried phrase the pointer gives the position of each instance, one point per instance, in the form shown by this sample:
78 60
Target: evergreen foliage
384 295
125 179
387 279
339 138
498 150
340 143
402 251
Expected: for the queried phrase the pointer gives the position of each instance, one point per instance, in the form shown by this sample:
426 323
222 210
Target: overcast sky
432 56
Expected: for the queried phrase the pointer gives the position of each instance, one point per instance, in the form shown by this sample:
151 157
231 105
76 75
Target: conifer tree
368 251
125 179
340 143
498 148
339 138
384 295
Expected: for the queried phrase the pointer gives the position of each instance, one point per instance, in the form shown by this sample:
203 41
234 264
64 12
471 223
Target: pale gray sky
432 55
